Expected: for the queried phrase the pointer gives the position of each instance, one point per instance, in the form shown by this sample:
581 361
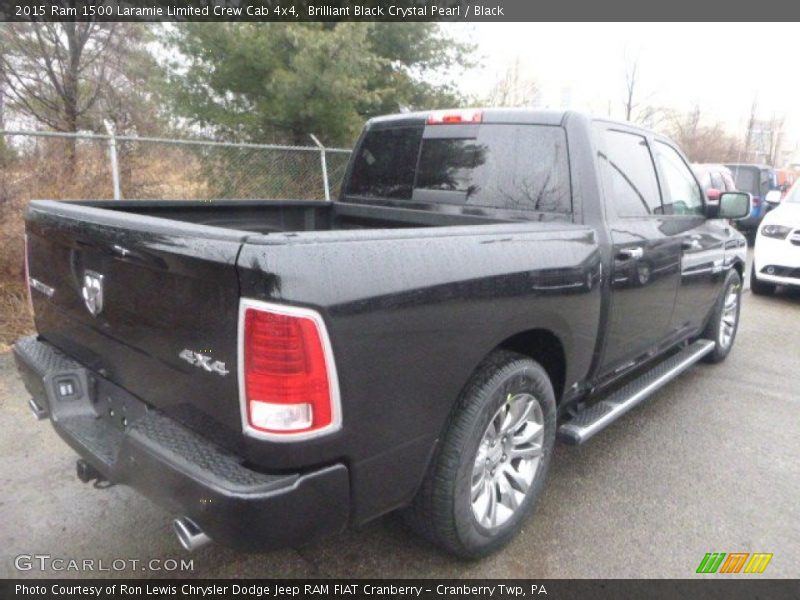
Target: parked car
714 179
784 180
776 257
756 180
486 281
773 198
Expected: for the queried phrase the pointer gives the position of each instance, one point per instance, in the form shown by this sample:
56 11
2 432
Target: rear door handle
631 253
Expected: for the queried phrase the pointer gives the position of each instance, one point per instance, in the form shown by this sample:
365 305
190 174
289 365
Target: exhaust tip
190 536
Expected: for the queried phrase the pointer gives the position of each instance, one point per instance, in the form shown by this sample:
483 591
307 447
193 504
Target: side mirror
734 205
713 194
774 196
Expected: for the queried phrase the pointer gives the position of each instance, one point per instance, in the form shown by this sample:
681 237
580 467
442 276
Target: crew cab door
646 253
702 240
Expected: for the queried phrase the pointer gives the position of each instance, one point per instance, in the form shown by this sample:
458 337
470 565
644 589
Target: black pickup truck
486 282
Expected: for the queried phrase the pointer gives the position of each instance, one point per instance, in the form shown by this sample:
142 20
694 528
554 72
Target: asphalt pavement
711 463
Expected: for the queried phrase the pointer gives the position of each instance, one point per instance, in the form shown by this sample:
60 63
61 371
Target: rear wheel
724 322
760 288
492 460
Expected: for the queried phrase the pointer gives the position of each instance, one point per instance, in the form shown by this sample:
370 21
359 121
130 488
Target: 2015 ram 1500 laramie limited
486 282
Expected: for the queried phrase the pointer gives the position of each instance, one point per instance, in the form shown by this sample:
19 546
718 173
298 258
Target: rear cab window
518 167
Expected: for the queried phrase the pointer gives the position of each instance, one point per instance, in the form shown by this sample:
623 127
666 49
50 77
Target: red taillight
289 381
756 201
448 117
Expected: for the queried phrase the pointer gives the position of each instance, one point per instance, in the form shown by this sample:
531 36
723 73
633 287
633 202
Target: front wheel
724 322
492 459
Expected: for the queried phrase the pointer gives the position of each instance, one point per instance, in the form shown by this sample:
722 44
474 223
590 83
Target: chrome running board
597 417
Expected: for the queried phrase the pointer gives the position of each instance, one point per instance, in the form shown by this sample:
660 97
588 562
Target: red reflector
446 117
756 201
287 386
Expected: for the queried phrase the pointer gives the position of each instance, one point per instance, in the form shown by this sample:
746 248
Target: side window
716 181
629 175
681 192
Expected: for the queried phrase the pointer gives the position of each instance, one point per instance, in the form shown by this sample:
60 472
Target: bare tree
514 88
69 76
751 123
776 131
631 73
638 107
702 142
54 72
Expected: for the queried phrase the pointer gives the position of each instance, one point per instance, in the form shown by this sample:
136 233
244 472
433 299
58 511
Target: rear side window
629 175
519 167
384 166
716 181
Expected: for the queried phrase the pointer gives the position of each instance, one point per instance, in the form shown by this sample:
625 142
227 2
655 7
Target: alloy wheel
507 461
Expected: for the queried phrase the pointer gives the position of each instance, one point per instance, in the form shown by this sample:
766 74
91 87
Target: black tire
442 509
760 288
714 327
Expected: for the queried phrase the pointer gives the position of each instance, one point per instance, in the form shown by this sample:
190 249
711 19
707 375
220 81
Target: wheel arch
739 267
545 347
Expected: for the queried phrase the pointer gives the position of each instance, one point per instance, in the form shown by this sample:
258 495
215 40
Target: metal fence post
324 164
112 153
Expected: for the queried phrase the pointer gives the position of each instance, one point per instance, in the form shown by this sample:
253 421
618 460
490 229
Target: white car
776 259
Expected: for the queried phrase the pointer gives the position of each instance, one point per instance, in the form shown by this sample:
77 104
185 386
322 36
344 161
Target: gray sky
719 67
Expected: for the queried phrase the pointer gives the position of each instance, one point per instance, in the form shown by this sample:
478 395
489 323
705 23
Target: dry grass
15 316
39 168
39 172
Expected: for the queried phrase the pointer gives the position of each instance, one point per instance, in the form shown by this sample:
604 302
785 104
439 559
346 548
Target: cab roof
490 115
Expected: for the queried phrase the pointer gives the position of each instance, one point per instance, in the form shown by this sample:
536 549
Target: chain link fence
95 166
57 166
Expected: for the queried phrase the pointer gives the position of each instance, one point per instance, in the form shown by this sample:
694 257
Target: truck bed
269 216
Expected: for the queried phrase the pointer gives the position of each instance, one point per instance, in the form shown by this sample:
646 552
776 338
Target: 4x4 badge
92 291
205 362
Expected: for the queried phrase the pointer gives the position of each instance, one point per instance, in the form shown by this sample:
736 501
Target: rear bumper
131 444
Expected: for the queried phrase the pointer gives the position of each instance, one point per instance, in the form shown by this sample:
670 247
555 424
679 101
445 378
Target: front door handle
631 253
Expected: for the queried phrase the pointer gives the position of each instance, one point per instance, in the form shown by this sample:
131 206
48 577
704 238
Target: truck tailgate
167 287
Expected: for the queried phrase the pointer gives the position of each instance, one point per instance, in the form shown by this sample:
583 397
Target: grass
15 314
38 169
